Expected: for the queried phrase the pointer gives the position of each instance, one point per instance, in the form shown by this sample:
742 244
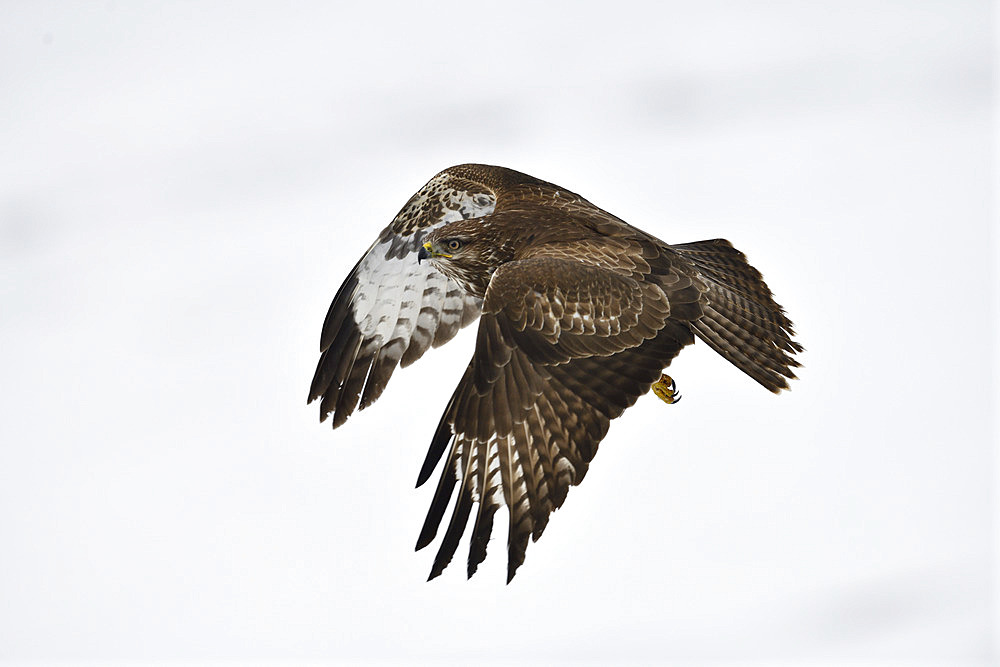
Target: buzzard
579 313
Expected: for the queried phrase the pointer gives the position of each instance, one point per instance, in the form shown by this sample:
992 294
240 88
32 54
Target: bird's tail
741 321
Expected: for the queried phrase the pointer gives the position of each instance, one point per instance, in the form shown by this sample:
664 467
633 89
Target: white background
184 186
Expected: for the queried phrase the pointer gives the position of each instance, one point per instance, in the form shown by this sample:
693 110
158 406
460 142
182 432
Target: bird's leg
666 389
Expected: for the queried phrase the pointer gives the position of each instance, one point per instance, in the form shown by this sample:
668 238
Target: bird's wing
389 311
563 348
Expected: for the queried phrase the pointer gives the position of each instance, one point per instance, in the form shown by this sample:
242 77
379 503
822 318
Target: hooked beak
427 251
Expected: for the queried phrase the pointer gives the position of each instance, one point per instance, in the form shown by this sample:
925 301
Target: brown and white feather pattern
580 314
392 308
564 347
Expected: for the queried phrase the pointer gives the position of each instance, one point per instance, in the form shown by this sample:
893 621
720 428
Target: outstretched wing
563 348
392 308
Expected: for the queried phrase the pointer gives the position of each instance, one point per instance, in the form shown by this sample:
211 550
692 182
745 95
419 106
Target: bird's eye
453 244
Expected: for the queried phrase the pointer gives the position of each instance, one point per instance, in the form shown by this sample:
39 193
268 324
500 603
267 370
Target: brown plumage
580 314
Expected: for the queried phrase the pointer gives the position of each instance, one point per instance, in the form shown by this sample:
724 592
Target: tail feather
741 320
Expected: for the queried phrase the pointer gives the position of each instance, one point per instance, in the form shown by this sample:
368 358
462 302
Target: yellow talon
666 389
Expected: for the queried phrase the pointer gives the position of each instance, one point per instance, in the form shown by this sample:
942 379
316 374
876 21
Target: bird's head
467 251
448 197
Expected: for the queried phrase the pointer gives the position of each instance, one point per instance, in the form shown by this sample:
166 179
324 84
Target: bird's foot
666 389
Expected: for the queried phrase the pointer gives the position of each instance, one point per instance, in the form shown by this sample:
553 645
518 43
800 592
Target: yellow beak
429 251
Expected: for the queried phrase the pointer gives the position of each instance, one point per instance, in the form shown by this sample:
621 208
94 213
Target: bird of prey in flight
579 312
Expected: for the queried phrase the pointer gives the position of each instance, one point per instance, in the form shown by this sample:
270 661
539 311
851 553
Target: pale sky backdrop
183 187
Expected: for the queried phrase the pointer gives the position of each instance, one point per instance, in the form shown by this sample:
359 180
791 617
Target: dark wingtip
425 474
426 537
340 417
441 439
437 570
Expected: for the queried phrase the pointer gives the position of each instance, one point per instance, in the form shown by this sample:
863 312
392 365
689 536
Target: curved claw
666 389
